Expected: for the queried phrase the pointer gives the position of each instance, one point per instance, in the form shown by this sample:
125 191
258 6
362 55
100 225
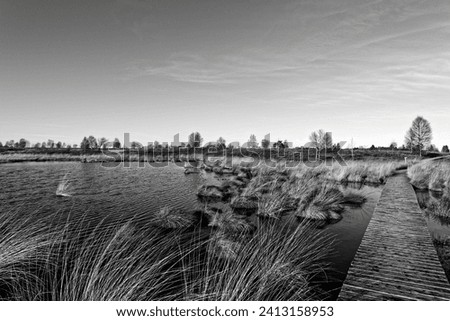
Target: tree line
23 143
417 139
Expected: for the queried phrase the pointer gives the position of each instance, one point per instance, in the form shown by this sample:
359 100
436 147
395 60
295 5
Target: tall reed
274 264
64 261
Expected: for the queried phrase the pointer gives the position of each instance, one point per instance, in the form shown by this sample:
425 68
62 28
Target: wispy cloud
226 69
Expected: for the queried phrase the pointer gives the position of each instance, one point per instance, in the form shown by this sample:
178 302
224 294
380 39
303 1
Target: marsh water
95 192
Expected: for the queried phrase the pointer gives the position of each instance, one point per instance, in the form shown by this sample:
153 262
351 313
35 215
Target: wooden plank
396 259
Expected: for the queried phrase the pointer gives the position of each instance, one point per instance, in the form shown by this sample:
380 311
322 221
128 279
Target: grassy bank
431 174
18 158
180 154
434 175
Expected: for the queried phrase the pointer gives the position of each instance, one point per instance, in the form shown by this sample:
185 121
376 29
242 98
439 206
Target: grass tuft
170 218
432 174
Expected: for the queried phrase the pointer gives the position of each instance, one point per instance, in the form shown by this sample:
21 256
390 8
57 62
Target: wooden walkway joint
396 259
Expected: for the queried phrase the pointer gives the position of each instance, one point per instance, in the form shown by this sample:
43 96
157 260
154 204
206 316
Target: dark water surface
348 234
97 192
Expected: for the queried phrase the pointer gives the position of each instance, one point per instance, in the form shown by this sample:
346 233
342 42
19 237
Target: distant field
164 154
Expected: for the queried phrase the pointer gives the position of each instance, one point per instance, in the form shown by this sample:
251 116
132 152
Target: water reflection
348 234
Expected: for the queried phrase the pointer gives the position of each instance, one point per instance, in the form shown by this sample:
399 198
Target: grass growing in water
311 193
123 262
271 265
170 218
25 241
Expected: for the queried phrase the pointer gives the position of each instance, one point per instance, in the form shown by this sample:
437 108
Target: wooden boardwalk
396 259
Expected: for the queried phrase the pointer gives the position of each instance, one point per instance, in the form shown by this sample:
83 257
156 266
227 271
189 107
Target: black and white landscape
252 150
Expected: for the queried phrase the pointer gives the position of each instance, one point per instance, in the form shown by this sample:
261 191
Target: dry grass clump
275 205
355 173
170 218
432 174
439 204
46 259
109 263
440 178
310 193
244 203
389 168
210 193
363 172
123 262
440 207
273 265
323 202
222 246
24 243
230 223
420 174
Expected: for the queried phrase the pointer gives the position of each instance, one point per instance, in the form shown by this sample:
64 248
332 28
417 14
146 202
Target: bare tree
408 139
221 142
195 139
419 135
265 143
321 139
116 143
9 143
50 143
136 145
23 143
92 142
279 144
84 145
101 142
252 142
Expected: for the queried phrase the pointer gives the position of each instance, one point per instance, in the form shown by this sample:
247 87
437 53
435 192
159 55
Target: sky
361 69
